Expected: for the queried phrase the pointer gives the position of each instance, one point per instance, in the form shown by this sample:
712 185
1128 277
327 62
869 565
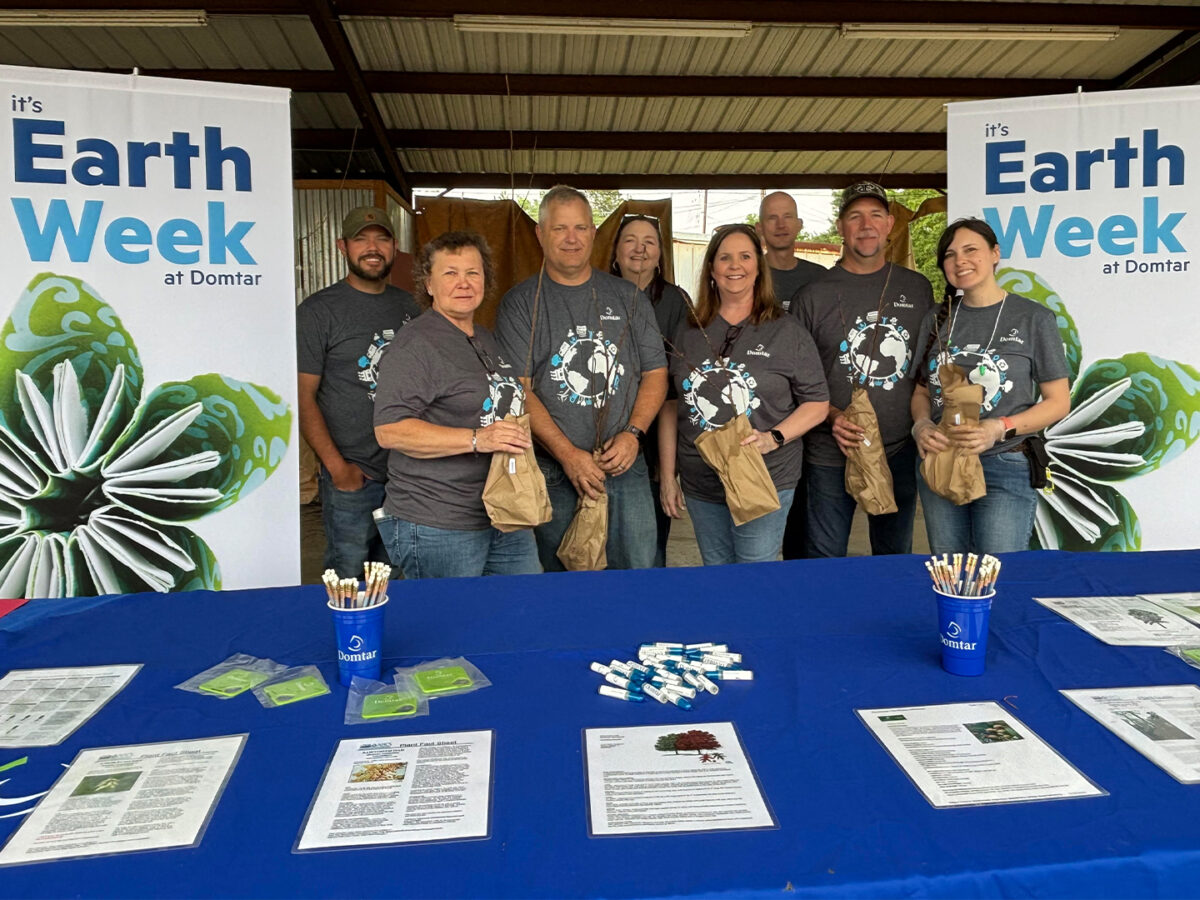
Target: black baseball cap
859 190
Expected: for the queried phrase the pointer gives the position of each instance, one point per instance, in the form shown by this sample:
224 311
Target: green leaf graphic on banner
1125 535
94 475
1031 285
246 424
207 574
59 318
1164 395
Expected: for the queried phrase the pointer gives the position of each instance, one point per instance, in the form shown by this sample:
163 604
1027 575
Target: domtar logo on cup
953 630
355 644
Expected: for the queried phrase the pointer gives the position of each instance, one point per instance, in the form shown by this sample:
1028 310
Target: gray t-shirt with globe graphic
435 373
840 313
1008 348
591 345
764 371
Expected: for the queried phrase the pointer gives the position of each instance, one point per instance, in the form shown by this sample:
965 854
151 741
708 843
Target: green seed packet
234 682
292 691
387 706
443 680
1193 654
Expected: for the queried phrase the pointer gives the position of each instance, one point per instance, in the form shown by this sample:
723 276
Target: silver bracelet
474 440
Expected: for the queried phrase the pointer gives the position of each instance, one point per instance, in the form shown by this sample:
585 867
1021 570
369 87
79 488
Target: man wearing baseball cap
341 332
864 316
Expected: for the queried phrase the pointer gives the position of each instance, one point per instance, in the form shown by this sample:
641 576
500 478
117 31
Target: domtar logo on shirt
759 351
609 316
1013 337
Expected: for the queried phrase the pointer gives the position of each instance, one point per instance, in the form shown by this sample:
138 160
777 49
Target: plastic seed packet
1189 653
375 701
234 676
292 686
445 677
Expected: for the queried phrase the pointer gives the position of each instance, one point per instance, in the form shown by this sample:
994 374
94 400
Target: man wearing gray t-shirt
590 353
865 317
779 223
341 333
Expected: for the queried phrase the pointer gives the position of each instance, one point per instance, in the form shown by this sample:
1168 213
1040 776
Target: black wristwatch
778 435
636 432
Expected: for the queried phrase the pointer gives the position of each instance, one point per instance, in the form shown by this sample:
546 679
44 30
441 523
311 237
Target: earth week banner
147 351
1096 201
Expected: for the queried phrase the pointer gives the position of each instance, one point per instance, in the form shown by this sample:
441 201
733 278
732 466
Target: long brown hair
708 302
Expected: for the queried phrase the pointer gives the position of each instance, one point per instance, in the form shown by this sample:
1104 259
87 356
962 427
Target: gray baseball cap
358 219
861 189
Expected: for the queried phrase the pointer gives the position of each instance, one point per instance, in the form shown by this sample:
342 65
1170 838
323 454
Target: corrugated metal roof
421 45
227 42
681 162
433 45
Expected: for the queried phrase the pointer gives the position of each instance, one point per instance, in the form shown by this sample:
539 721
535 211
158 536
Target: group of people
619 374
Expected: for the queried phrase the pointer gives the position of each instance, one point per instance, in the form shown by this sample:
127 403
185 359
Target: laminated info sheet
1160 722
972 754
1125 621
659 779
43 707
402 790
124 799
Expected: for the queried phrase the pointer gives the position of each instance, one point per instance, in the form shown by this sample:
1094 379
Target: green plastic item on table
234 682
443 680
1193 654
296 689
388 706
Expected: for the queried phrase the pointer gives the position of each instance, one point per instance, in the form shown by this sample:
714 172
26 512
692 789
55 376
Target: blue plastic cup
359 641
963 632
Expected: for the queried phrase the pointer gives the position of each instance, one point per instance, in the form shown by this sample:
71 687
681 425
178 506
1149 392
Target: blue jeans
831 509
721 542
1001 521
350 534
662 523
422 551
632 532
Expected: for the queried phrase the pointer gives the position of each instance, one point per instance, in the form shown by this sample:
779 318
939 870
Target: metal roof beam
342 139
475 84
1177 62
807 12
1177 17
620 181
341 54
212 7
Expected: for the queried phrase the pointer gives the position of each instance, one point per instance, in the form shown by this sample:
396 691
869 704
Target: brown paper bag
515 494
749 491
868 478
950 473
583 546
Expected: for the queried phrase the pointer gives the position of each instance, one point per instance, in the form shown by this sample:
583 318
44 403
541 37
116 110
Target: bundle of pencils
344 593
976 578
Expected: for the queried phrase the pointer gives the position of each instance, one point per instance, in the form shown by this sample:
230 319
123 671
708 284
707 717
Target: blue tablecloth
824 638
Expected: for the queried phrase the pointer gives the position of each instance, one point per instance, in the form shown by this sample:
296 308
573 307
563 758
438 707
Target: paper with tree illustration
671 779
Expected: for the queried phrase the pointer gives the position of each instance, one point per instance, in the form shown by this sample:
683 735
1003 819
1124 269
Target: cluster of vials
671 673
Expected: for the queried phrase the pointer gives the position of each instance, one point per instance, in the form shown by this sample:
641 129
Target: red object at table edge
7 606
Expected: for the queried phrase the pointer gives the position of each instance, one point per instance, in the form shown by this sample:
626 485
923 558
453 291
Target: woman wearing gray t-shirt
636 257
1010 345
443 392
738 354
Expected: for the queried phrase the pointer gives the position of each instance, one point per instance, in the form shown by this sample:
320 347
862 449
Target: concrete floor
681 548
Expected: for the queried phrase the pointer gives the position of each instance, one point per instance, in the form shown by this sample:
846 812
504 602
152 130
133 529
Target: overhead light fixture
100 18
917 31
601 27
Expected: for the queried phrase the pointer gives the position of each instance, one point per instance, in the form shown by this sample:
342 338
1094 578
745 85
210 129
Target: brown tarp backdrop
899 248
607 232
516 253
